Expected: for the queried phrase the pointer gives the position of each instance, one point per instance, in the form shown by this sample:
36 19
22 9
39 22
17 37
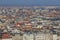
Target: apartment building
43 36
28 37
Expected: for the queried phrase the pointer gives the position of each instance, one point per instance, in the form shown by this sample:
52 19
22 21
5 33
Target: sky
29 2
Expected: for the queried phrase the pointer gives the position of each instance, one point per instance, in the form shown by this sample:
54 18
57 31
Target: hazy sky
29 2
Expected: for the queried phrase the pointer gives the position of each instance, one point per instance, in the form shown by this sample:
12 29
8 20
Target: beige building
55 37
7 39
17 37
43 36
38 36
28 37
58 37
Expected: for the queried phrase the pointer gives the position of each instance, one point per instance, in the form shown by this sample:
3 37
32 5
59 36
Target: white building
55 37
58 37
38 36
43 36
7 39
15 31
39 26
28 37
17 37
